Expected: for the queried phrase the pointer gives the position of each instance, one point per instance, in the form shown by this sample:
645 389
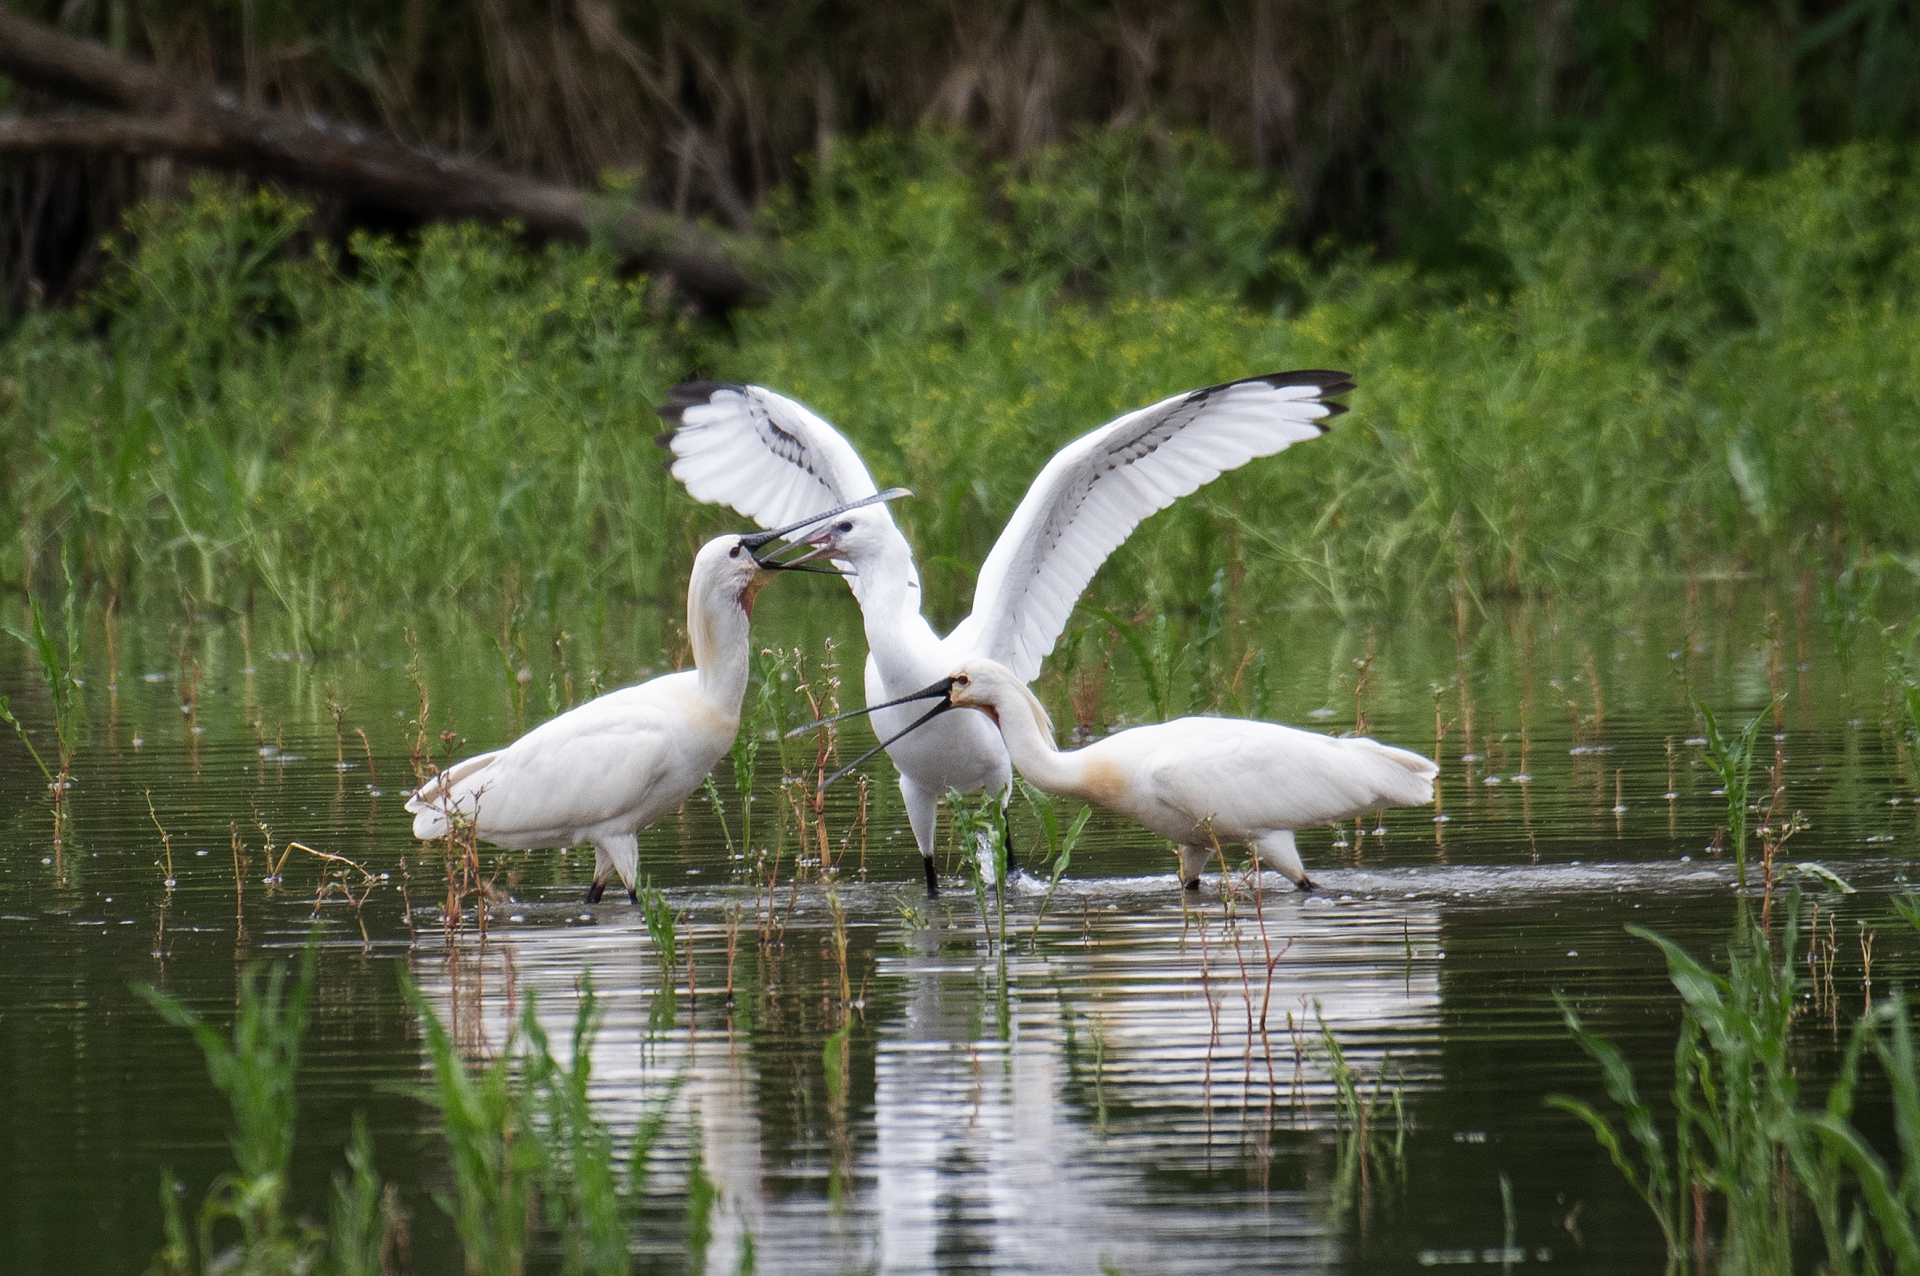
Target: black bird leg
933 878
595 891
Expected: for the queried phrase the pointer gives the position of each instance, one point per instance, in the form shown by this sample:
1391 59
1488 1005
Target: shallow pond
1135 1082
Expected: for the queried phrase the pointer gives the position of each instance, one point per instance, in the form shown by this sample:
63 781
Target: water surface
1123 1084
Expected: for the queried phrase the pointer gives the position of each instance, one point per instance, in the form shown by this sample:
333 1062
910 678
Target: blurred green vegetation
1656 370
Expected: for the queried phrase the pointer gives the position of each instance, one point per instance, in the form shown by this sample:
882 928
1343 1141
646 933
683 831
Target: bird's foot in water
1304 884
595 891
933 878
633 897
1193 885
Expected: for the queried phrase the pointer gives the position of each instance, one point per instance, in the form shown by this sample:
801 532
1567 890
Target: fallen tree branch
107 131
209 126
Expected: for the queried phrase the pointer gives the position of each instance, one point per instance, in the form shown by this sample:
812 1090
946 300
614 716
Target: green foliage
1731 758
358 1223
1740 1132
981 834
1059 852
658 915
522 1134
233 408
255 1069
1658 367
59 671
590 1203
487 1114
1360 1112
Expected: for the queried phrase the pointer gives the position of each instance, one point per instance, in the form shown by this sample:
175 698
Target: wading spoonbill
772 459
603 771
1198 782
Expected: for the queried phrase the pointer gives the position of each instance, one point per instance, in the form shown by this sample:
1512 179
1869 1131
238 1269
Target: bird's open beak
942 689
821 547
768 562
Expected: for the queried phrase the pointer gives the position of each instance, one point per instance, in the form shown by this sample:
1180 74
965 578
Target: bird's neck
722 650
889 592
1031 747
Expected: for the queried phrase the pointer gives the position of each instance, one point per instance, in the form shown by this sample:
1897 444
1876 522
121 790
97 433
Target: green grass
255 1068
1746 1153
1660 370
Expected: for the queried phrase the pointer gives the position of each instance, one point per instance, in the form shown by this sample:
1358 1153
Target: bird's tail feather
448 791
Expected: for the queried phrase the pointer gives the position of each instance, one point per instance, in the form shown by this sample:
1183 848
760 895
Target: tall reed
255 1067
1743 1138
526 1145
1731 757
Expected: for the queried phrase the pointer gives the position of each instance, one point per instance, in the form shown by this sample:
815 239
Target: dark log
210 126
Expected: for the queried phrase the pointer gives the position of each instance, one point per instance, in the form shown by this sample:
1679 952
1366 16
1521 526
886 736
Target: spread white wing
759 452
1097 489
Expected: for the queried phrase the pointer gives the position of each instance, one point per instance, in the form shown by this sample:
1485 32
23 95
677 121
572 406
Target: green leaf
1821 873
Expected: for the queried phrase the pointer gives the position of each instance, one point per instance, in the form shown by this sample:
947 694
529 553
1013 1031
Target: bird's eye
734 552
844 527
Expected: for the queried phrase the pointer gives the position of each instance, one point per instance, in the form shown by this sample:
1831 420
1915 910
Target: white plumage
768 456
611 767
1197 781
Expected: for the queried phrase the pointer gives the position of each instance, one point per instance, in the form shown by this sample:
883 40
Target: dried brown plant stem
240 866
166 846
373 780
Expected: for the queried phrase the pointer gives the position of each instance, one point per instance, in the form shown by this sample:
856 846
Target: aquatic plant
364 1221
1365 1154
1060 844
980 832
525 1144
255 1067
1731 758
1741 1134
59 666
658 915
487 1116
591 1194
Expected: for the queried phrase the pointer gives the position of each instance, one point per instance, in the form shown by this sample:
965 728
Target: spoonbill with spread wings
771 459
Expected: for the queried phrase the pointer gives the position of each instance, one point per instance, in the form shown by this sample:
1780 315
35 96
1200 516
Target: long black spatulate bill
939 688
915 725
757 539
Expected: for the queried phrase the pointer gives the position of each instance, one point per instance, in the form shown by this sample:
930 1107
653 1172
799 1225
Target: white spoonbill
772 459
1195 781
603 771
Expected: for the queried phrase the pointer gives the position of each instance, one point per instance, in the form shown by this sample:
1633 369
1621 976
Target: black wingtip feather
1328 382
689 394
